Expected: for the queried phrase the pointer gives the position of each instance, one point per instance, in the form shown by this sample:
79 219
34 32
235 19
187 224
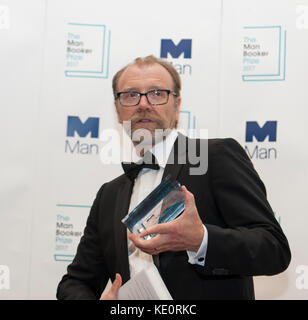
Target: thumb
116 284
113 291
189 197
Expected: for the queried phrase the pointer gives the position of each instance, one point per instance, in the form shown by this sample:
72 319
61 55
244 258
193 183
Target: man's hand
184 233
113 291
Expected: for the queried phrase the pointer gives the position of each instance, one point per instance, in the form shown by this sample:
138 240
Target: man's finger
145 244
155 229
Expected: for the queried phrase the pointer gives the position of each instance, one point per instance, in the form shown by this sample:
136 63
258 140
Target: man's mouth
144 120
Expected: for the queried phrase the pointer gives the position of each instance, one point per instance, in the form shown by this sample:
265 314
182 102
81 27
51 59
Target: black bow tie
132 169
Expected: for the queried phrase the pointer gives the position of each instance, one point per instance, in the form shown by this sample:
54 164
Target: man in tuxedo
227 233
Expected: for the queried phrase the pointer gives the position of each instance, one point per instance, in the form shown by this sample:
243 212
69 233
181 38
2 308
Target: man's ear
178 102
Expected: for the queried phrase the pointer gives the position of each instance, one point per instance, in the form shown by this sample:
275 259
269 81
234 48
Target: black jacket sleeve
252 243
86 276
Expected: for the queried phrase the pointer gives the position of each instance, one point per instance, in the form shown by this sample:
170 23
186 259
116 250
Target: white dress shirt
145 182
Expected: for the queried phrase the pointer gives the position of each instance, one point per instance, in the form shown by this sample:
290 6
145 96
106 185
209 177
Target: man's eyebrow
139 90
129 89
155 87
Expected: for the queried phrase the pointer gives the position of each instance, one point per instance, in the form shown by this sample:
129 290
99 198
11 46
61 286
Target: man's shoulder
218 143
117 181
112 185
222 142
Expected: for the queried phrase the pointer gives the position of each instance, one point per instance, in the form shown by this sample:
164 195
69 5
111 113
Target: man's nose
144 103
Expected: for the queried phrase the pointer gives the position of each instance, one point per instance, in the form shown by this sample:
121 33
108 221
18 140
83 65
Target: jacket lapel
177 157
176 161
122 204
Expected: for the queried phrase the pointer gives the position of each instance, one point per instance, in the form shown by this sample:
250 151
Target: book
146 285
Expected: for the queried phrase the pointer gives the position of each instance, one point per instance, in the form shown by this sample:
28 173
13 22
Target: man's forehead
152 74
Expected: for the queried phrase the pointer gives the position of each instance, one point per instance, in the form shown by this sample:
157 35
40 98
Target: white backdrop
243 66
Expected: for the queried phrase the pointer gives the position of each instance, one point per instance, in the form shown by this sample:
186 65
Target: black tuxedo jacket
244 238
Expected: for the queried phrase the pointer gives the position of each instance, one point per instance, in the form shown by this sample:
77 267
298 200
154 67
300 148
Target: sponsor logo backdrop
243 66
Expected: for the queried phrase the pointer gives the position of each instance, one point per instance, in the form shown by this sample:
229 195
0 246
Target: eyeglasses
154 97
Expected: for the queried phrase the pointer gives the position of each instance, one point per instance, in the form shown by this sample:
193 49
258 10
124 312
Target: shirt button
201 259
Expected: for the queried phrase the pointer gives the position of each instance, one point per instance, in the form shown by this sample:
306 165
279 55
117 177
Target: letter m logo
253 129
168 46
74 124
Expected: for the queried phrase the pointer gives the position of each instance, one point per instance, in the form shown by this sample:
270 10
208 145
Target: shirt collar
162 150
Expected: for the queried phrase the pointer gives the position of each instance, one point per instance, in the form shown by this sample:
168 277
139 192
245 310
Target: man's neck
145 145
